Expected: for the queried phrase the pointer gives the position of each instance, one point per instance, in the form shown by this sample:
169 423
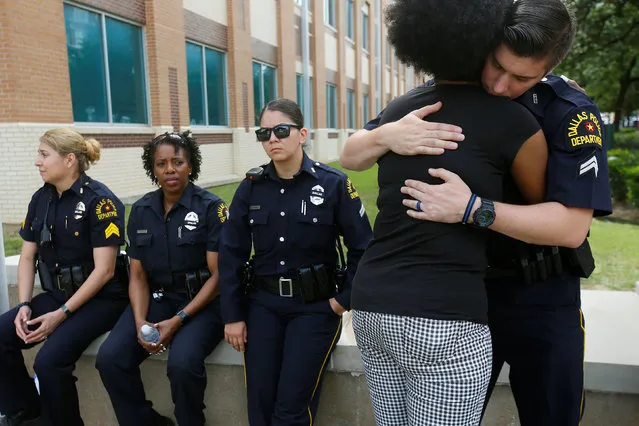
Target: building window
350 109
388 53
264 87
206 69
308 120
365 26
329 12
106 68
331 106
350 19
365 108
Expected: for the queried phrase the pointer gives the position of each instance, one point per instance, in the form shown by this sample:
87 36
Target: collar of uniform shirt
308 166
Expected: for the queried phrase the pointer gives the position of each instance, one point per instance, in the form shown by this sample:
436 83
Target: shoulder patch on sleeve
350 189
222 212
583 129
106 209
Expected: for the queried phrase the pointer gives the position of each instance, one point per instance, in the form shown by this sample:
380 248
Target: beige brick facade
35 93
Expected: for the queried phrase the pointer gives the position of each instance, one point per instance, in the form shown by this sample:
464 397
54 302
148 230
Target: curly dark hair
449 39
184 140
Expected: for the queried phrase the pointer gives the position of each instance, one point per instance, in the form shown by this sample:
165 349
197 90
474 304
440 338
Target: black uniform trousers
288 348
55 362
120 356
544 347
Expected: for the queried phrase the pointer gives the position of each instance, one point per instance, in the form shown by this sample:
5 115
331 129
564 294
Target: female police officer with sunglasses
73 228
173 237
291 212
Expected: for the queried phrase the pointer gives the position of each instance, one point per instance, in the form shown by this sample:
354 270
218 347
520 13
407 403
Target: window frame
147 98
350 20
203 48
262 102
330 14
333 107
365 26
351 107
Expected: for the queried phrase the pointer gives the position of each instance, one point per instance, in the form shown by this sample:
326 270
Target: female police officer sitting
291 212
73 228
173 237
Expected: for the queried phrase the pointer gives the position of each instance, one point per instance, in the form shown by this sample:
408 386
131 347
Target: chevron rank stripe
590 164
111 230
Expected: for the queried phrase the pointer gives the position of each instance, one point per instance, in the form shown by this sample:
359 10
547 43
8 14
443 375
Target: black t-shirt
436 270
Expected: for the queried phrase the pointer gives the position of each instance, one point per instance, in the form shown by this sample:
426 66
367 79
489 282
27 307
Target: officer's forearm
26 275
203 297
91 286
549 223
362 150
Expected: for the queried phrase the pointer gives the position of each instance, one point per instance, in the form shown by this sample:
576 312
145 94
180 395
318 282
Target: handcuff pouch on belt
67 279
579 262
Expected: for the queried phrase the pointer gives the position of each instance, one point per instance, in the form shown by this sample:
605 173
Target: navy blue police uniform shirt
291 224
85 216
178 243
577 176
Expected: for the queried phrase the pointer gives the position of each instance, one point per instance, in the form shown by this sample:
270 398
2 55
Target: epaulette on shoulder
328 168
97 188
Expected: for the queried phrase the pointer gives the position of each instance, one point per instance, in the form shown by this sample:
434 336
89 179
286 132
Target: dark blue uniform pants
55 362
120 356
289 344
545 351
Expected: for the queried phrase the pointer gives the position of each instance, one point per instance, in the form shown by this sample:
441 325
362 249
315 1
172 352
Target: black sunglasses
168 136
281 131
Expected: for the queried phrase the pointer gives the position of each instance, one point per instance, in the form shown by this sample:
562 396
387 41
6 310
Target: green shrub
621 165
627 137
632 183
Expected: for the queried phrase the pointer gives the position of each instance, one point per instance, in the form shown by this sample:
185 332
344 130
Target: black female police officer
173 237
74 226
291 211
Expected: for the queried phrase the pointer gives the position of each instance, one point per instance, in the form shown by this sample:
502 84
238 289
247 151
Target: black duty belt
281 286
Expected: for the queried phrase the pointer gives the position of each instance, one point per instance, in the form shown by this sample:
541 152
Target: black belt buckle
283 282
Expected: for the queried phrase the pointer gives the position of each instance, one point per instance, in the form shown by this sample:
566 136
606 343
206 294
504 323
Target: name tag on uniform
255 207
142 231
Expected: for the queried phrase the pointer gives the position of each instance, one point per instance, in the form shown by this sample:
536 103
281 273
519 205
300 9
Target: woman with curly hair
174 235
418 298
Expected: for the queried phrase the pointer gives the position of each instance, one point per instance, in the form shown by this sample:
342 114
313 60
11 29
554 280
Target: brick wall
132 10
34 73
166 52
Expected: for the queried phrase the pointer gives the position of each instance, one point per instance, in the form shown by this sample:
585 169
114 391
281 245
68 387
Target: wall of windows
206 70
331 106
350 109
308 119
106 68
264 87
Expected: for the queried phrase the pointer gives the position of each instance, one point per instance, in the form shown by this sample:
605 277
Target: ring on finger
418 207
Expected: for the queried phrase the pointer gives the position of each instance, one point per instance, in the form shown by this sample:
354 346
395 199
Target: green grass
614 244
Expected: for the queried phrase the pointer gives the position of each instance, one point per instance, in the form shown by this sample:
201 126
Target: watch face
485 218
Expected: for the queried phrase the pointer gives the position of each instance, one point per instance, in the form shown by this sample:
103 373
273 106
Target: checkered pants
424 372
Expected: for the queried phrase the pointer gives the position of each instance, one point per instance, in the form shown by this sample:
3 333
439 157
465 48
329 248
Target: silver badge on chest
191 220
80 209
317 195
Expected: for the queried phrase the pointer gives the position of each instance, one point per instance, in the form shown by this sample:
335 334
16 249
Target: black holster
579 262
46 282
316 283
194 281
248 275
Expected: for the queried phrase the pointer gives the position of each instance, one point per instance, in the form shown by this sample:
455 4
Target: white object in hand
149 334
